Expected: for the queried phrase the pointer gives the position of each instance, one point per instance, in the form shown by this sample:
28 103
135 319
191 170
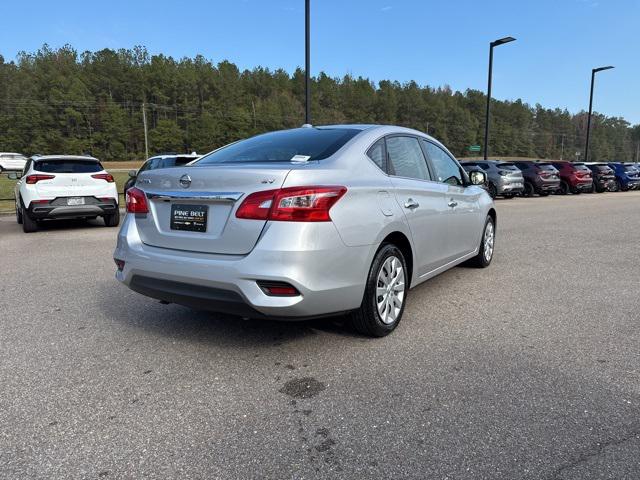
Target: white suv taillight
35 178
293 204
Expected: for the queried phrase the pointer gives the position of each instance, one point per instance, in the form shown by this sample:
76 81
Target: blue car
627 177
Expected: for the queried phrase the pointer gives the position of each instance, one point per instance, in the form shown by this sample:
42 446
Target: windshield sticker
300 158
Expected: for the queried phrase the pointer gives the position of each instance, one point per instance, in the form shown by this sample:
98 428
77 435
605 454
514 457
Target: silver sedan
306 223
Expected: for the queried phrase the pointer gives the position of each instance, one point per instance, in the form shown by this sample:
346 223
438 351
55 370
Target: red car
575 177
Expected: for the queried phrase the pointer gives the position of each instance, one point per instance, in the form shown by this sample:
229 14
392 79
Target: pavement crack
592 452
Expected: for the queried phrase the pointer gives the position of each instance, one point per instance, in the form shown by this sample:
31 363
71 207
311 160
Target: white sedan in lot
64 186
12 161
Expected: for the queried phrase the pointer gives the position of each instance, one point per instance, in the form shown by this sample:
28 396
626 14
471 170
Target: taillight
119 264
35 178
104 176
504 173
136 201
294 204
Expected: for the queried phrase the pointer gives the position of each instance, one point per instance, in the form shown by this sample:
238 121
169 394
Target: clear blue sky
434 43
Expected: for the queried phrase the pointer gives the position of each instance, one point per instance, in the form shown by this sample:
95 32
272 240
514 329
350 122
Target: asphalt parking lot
528 369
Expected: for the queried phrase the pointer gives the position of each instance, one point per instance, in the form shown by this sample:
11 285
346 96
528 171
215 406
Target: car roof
11 153
65 157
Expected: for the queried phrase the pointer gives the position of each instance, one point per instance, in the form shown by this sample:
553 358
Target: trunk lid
218 190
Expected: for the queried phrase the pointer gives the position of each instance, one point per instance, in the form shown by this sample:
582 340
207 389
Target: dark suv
575 177
603 177
503 178
539 177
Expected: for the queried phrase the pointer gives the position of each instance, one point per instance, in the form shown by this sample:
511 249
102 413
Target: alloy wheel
489 237
390 290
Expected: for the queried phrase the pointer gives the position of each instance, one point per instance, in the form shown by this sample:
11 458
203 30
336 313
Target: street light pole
593 77
495 43
307 63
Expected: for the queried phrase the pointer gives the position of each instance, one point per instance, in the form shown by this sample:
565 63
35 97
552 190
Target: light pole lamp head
599 69
502 41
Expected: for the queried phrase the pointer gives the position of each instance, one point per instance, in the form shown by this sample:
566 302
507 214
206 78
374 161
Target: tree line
62 101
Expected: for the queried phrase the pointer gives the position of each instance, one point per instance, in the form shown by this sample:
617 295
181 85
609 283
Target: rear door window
406 158
67 166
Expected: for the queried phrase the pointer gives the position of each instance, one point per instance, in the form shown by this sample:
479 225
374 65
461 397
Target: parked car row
526 178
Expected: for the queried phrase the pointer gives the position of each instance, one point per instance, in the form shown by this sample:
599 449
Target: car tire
493 191
368 319
112 220
543 194
19 212
508 196
528 190
564 188
487 244
621 188
28 224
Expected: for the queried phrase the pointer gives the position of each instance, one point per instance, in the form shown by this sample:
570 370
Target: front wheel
385 294
487 243
18 213
493 191
564 188
528 190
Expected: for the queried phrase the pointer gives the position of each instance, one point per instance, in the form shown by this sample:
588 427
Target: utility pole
562 151
146 136
307 62
637 151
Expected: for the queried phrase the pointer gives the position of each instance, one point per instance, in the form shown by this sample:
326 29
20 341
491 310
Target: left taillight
136 201
104 176
35 178
293 204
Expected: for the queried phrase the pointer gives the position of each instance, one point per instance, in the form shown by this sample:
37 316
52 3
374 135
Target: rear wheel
528 190
28 224
614 186
543 194
564 188
508 196
112 220
621 187
487 243
493 191
385 294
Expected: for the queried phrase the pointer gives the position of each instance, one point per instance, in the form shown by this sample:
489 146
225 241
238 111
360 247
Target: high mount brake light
35 178
136 201
293 204
104 176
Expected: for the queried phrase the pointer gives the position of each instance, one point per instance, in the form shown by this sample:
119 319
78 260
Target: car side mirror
477 178
12 176
133 173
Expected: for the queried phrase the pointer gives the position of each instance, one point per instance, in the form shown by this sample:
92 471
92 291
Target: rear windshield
507 166
629 168
300 144
581 166
547 166
67 166
155 163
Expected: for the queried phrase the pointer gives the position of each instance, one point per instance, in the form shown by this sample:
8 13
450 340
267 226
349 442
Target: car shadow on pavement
228 331
53 225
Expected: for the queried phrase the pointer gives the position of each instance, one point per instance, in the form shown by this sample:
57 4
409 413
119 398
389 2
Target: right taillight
35 178
136 201
293 204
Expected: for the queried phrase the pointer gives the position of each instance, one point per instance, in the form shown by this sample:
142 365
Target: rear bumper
38 211
329 275
547 185
510 186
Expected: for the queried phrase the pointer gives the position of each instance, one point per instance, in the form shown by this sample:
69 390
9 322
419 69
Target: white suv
64 186
12 161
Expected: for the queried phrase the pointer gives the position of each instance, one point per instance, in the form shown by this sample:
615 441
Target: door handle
411 203
452 203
